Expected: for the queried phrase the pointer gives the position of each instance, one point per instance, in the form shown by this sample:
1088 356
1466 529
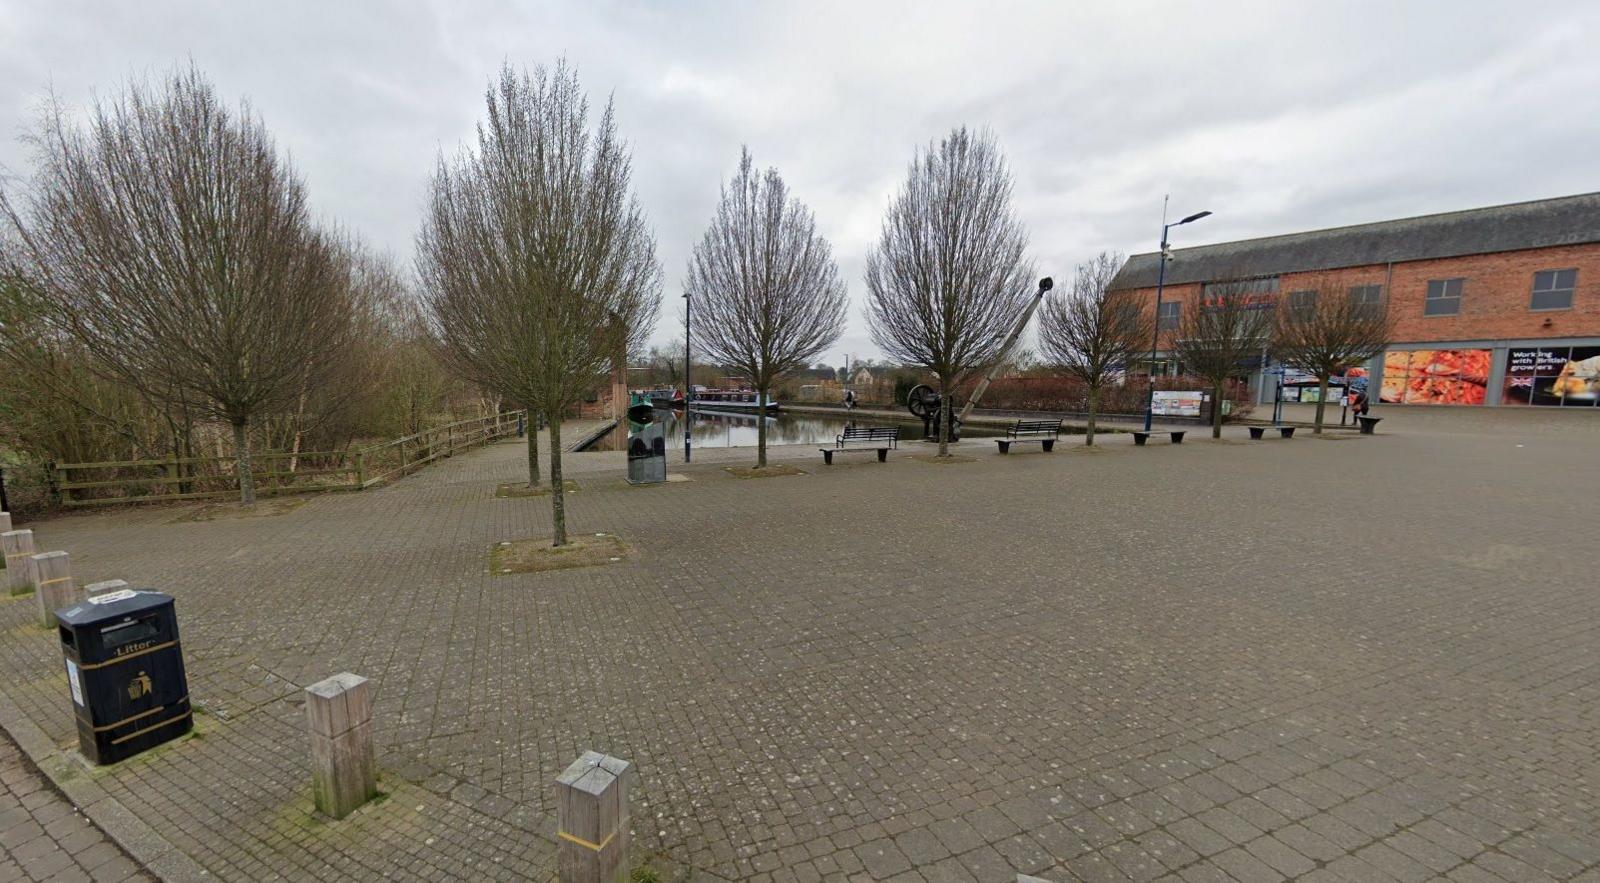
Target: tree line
164 285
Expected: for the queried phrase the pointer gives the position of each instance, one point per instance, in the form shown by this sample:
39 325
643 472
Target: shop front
1550 373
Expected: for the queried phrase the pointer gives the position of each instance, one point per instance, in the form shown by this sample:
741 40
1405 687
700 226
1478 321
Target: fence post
344 767
55 477
54 587
104 587
361 468
592 819
18 548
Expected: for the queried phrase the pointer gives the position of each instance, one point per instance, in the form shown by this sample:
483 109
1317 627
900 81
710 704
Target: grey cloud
1277 116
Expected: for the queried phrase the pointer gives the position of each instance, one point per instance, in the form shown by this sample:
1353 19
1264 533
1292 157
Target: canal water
718 429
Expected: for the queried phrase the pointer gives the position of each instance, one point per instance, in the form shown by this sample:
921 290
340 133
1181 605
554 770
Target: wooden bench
1257 431
866 438
1042 431
1139 438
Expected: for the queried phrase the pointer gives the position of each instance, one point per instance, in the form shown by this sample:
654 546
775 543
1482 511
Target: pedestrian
849 399
1358 405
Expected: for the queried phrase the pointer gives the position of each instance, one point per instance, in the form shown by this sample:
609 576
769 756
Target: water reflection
718 429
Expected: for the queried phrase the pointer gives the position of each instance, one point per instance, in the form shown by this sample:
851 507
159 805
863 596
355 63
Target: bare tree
1322 330
171 240
537 263
948 276
1218 336
1092 334
767 294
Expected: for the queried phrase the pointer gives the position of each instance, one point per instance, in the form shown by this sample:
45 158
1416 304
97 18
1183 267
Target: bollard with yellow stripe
125 671
592 819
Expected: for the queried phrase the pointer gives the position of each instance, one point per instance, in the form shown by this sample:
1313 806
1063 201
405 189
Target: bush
1068 394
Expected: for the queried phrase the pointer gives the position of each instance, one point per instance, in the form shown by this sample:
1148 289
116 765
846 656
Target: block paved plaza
1352 658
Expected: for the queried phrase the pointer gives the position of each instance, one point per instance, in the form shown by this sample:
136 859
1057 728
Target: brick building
1489 306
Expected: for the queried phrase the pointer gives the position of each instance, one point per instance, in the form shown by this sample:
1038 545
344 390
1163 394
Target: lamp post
1155 338
688 384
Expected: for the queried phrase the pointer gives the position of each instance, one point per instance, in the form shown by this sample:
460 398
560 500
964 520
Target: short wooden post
5 521
52 572
344 766
361 468
17 545
592 820
104 587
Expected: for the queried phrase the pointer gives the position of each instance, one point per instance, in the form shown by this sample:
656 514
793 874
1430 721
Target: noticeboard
1176 403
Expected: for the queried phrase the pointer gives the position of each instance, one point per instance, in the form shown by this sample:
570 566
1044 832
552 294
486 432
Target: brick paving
1343 659
43 837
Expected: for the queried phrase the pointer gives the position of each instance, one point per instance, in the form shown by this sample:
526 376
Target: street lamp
1155 340
688 388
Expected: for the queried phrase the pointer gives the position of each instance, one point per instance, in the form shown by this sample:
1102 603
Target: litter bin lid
112 605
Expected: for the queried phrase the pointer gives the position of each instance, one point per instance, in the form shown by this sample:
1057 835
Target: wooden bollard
53 585
17 546
344 765
592 819
104 587
5 521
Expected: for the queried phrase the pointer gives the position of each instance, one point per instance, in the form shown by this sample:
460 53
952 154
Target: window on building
1302 304
1167 315
1444 297
1367 297
1552 289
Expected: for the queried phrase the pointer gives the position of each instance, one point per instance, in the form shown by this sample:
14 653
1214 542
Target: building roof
1566 220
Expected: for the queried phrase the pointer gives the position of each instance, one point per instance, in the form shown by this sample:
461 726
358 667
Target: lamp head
1194 217
1046 284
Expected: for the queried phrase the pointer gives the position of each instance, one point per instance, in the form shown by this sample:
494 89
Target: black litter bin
125 669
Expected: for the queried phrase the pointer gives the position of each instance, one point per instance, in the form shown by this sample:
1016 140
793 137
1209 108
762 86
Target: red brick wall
1494 301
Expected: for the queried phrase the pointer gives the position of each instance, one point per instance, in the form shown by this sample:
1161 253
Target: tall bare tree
948 277
1323 330
1092 334
537 263
766 291
1219 336
172 241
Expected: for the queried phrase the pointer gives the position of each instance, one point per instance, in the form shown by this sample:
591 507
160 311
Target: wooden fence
204 478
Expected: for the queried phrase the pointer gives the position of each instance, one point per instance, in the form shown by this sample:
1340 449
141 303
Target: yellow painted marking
572 838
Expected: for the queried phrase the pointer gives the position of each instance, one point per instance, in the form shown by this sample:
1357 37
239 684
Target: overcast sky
1278 116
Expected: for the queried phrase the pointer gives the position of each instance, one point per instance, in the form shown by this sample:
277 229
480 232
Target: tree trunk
558 493
945 413
1322 401
241 455
299 432
533 449
1216 411
1094 405
761 428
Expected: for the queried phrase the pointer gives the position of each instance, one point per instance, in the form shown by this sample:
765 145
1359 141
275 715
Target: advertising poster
1435 377
1175 403
1553 377
1395 365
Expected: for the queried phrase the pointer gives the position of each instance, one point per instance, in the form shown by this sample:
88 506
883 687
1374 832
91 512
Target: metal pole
1045 285
688 384
5 505
1155 339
